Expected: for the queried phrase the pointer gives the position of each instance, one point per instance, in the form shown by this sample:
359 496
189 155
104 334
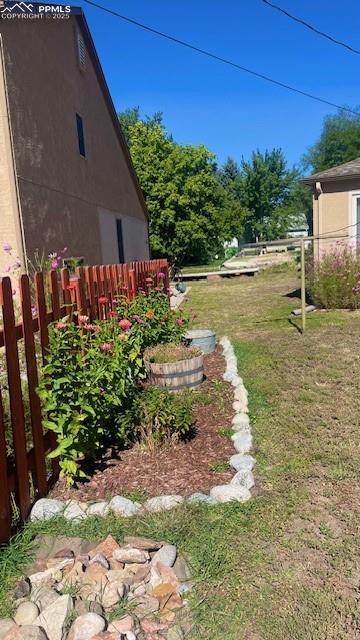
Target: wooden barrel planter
177 376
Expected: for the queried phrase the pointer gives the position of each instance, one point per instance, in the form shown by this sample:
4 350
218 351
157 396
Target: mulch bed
181 468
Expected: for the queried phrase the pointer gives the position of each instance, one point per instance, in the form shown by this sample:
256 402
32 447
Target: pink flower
60 326
138 320
55 263
106 346
149 280
92 328
103 300
125 324
161 275
111 314
179 321
7 247
83 319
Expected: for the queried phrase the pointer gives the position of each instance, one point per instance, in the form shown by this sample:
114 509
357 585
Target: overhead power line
311 27
214 56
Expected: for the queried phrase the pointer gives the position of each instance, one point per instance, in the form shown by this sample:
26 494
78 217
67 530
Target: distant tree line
196 206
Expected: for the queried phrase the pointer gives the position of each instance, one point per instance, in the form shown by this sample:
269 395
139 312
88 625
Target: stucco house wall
333 206
61 192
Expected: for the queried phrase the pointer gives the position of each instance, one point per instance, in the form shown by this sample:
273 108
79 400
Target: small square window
81 51
80 134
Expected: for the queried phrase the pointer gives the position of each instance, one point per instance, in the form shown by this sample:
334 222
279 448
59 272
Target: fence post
303 287
15 395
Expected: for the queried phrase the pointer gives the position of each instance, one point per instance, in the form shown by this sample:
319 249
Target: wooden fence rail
24 472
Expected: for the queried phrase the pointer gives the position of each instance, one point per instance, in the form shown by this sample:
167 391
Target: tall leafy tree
266 188
182 191
339 142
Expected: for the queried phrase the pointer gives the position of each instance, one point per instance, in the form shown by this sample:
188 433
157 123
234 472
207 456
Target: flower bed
182 467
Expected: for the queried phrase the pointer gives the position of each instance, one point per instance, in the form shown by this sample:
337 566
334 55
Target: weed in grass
137 496
218 467
227 432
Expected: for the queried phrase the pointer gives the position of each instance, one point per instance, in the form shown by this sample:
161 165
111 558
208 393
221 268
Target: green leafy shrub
169 353
161 417
89 380
333 282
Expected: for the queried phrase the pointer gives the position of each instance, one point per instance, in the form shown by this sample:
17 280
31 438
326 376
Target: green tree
339 142
266 187
182 191
234 213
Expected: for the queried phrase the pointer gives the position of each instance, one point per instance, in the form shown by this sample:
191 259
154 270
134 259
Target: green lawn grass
286 564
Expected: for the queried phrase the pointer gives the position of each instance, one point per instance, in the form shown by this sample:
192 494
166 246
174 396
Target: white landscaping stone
53 619
241 394
130 555
46 508
31 632
239 407
26 613
162 503
229 376
242 442
229 493
243 478
123 507
6 624
97 509
86 626
201 497
42 578
242 462
241 421
236 381
73 511
166 555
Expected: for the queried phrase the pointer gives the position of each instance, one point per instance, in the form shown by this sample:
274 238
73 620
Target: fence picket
5 510
89 278
32 376
42 312
15 395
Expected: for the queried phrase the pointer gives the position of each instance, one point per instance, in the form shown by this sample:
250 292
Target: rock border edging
238 489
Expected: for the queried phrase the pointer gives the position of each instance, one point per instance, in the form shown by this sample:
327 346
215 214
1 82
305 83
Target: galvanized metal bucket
205 339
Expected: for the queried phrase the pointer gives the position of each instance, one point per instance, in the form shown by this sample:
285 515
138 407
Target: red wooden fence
24 474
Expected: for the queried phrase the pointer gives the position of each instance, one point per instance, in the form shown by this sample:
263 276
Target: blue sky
206 102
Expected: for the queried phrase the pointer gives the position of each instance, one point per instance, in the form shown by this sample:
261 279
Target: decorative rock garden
133 591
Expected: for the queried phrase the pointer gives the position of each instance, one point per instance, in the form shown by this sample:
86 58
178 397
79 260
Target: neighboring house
336 205
66 177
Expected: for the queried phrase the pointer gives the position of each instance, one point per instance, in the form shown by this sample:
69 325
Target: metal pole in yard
303 286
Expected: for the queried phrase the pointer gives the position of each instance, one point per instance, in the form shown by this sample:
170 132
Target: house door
355 231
